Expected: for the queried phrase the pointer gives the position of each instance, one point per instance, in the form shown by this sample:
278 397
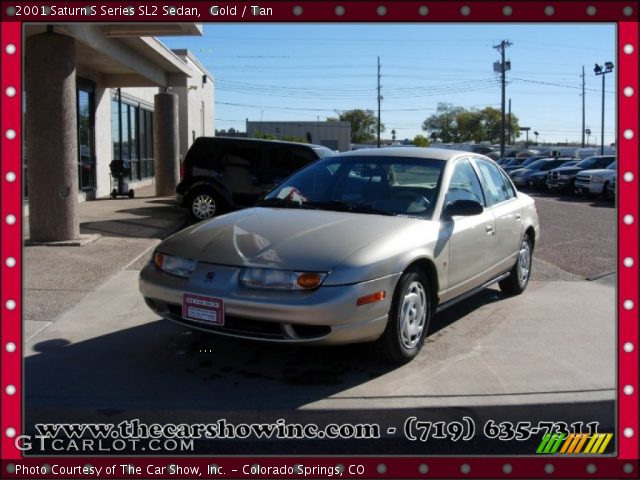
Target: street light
536 134
599 70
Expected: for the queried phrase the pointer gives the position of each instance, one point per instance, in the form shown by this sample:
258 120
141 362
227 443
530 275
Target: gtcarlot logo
43 443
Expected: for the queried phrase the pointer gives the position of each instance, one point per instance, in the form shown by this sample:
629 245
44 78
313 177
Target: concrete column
52 137
166 146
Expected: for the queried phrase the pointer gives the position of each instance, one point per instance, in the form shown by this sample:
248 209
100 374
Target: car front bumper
328 315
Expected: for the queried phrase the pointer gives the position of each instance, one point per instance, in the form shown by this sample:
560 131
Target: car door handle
489 229
518 216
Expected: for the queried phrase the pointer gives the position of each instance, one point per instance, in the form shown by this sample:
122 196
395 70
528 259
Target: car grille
583 181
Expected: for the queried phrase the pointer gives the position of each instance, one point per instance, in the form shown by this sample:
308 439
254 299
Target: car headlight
181 267
597 179
280 279
564 177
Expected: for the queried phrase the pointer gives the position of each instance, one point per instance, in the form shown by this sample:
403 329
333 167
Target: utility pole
502 68
379 100
509 136
583 126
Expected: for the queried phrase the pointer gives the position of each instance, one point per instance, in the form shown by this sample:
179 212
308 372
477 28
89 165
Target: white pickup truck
595 182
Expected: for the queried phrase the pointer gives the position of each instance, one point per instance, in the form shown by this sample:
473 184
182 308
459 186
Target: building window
85 114
132 137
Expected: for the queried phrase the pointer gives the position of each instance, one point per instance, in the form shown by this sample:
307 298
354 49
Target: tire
204 204
131 194
605 189
409 318
517 281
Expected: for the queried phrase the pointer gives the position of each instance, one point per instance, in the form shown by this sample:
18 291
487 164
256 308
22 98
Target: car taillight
181 171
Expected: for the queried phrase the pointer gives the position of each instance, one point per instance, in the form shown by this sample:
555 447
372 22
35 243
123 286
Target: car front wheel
408 318
518 279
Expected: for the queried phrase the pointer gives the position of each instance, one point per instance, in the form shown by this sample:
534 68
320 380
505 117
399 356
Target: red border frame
361 11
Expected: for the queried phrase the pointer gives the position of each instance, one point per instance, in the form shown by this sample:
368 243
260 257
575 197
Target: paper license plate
203 309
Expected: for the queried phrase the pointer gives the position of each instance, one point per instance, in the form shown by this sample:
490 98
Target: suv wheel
408 320
204 204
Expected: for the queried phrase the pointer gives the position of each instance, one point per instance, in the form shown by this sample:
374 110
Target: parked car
521 163
563 178
222 174
520 176
595 182
364 246
538 180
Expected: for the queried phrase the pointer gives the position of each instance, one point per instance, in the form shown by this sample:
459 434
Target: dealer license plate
203 309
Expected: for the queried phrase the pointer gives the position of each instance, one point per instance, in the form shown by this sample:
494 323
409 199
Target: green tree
457 124
265 136
421 141
364 124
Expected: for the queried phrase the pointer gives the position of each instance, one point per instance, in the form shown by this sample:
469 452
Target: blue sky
308 72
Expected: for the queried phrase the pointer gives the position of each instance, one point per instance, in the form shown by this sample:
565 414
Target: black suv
221 174
563 178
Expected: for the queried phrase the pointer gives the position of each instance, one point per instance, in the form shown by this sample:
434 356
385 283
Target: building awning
126 55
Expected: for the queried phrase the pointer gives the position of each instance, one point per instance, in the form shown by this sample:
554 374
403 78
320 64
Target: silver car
364 246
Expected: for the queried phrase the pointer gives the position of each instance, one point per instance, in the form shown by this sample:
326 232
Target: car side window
496 187
464 184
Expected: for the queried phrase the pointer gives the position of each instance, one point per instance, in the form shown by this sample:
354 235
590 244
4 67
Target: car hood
598 171
519 171
297 239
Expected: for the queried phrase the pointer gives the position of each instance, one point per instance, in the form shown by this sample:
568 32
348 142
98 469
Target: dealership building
98 93
334 135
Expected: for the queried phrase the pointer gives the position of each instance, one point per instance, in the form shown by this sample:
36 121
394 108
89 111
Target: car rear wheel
408 318
518 279
204 204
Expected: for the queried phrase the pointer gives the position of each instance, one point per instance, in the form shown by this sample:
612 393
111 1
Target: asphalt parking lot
106 357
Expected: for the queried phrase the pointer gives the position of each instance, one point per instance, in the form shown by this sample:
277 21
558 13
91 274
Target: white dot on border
628 432
628 134
507 11
507 468
10 49
591 10
10 432
10 92
591 468
628 91
628 347
11 134
465 468
11 219
628 49
298 10
628 304
10 177
628 390
423 468
381 11
465 10
10 390
423 10
549 10
11 11
628 262
628 219
10 304
627 11
628 176
339 10
381 469
10 347
627 468
549 469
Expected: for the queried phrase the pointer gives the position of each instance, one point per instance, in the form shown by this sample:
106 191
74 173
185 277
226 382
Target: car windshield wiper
343 206
281 202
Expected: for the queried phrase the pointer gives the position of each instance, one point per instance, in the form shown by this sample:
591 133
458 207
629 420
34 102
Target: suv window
496 187
239 167
464 184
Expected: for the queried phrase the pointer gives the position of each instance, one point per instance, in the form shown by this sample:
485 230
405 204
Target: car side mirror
464 208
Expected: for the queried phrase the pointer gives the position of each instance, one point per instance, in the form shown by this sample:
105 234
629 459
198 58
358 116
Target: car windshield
363 184
588 162
536 165
612 166
323 152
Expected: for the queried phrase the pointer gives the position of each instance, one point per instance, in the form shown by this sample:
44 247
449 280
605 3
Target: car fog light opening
374 297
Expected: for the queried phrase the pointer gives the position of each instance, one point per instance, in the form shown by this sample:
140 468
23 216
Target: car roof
256 140
416 152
